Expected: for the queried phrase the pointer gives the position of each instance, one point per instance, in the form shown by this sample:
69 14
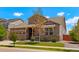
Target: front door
29 33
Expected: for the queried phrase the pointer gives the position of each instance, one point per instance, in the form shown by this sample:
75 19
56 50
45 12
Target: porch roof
46 26
42 26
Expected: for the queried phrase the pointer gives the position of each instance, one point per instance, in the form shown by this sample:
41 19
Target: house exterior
4 22
39 28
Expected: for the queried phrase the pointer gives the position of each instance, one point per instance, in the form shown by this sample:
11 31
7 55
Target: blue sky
71 13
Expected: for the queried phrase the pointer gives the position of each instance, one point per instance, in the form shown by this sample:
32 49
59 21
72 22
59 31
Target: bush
49 38
13 38
2 32
32 38
54 38
74 36
44 39
74 33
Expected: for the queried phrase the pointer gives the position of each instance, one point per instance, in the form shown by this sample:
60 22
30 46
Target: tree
2 32
74 33
13 38
73 36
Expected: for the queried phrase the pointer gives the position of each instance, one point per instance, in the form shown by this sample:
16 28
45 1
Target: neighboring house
39 26
19 27
4 22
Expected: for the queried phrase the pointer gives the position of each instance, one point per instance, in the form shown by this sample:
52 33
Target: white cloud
72 21
60 13
47 16
68 29
17 14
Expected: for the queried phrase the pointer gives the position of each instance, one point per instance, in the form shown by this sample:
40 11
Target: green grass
58 44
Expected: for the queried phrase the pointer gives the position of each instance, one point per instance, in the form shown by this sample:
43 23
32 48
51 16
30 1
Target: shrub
49 38
32 38
54 38
2 32
44 38
13 38
74 36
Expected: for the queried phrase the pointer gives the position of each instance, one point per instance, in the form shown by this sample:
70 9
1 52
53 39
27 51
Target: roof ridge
57 17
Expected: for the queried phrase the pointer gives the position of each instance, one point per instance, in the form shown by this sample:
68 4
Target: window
48 31
51 33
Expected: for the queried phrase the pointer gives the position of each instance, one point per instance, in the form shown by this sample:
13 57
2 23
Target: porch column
39 34
25 33
32 31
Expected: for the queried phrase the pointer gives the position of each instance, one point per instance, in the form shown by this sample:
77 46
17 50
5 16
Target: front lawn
57 44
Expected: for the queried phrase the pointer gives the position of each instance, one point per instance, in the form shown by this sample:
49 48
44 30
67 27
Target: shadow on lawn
30 43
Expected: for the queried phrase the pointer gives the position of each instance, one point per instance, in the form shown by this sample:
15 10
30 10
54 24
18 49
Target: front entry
29 33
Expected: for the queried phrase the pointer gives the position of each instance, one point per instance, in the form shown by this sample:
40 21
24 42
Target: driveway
69 45
5 42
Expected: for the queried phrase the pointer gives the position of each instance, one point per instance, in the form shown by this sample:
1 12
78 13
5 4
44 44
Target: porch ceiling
42 26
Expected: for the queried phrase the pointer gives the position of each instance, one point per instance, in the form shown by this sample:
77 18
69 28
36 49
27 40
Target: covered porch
37 32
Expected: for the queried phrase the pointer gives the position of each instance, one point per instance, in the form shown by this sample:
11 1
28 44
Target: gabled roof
36 19
2 20
22 25
15 19
38 15
51 21
16 25
60 20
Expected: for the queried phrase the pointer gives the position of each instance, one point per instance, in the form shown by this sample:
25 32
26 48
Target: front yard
53 44
49 46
